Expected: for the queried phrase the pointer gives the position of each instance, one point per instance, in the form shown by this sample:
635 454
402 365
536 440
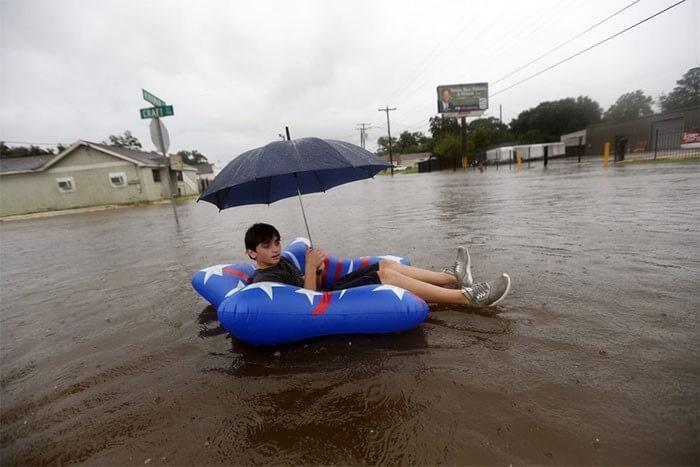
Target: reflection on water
109 356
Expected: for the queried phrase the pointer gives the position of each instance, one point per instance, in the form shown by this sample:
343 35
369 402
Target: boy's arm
314 261
310 277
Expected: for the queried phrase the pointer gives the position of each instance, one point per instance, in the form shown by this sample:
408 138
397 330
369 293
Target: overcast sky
238 72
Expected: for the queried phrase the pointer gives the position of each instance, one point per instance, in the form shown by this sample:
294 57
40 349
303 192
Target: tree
484 133
193 157
412 142
684 96
127 140
630 105
440 127
449 146
7 152
549 120
383 144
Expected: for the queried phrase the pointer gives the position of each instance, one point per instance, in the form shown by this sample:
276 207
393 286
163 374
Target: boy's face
266 254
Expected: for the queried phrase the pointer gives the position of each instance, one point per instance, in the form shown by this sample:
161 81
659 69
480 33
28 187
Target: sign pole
167 166
464 143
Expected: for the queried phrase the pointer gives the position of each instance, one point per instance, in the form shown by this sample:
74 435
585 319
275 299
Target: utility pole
363 133
388 129
500 113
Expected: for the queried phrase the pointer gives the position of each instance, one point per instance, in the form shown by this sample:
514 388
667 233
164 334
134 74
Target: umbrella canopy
288 168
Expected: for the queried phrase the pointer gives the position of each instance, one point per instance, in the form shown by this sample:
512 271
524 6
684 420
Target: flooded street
110 357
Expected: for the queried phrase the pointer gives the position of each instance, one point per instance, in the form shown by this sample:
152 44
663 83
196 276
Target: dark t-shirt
285 272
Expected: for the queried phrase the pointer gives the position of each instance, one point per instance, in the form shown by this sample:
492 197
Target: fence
663 146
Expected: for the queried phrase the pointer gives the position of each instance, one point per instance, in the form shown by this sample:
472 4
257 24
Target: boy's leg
423 275
426 291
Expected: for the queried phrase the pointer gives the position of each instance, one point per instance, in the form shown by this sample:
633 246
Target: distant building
660 131
89 174
526 151
500 154
574 143
408 160
536 151
205 174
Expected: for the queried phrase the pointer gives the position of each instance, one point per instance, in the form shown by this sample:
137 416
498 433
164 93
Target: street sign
155 137
153 112
157 101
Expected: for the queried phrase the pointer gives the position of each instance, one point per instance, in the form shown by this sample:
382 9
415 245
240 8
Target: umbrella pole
302 211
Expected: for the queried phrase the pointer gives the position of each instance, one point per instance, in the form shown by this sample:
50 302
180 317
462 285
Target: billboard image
463 99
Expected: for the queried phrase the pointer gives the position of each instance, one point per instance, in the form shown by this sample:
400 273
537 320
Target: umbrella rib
269 190
320 183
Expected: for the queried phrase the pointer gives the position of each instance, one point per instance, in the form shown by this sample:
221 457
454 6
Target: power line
408 86
587 49
564 43
459 29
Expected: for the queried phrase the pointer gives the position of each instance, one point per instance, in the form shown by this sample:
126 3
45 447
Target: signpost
159 134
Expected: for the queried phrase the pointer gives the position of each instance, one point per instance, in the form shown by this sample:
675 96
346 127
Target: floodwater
110 357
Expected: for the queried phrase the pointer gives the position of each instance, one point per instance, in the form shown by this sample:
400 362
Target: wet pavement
109 356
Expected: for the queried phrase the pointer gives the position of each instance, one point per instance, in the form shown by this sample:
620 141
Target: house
205 174
89 174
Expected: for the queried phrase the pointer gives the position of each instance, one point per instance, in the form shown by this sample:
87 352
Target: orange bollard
606 154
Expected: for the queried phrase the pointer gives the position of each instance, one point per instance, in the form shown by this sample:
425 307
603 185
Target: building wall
90 170
640 133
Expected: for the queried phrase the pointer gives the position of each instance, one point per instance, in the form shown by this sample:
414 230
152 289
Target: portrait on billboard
463 98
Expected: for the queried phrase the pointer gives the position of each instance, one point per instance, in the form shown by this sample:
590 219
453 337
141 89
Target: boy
262 242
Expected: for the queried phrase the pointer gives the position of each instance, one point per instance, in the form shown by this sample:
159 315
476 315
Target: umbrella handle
303 213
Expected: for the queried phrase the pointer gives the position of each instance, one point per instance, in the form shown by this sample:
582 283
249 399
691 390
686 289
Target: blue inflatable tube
268 313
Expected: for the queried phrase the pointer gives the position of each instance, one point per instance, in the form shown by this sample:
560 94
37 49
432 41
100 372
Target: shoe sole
467 279
504 293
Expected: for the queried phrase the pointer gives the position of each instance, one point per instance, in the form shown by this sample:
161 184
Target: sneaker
487 293
462 269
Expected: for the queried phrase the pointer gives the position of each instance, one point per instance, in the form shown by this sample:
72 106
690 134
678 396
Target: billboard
463 99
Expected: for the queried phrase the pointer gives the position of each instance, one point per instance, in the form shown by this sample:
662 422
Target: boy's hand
315 259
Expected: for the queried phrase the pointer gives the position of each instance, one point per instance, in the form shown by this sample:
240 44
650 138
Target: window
156 175
179 175
117 179
66 184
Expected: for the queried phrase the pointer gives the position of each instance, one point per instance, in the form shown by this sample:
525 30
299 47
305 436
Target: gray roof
26 164
20 164
150 158
203 168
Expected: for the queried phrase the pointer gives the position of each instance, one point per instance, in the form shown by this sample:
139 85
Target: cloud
238 72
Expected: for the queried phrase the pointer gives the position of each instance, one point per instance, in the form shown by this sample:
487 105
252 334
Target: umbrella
283 169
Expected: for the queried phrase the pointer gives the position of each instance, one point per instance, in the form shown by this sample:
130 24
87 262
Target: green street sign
154 112
157 101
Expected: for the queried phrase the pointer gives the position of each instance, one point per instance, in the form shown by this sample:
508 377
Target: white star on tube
396 259
265 287
397 290
310 294
235 289
342 292
217 270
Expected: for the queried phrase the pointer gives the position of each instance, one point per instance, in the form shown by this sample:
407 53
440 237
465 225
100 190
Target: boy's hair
260 233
